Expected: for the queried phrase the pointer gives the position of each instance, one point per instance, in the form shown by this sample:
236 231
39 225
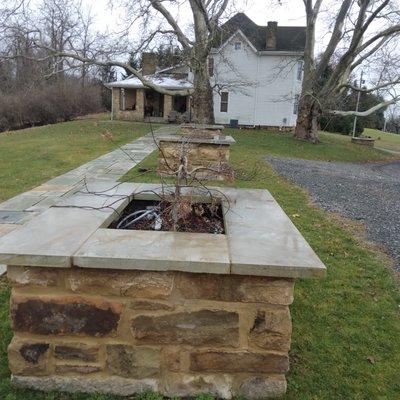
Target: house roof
166 82
288 38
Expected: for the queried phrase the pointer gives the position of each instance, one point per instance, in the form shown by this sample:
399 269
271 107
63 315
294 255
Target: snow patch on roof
166 82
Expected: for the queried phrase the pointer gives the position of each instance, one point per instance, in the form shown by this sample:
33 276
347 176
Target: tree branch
373 89
114 63
183 40
367 112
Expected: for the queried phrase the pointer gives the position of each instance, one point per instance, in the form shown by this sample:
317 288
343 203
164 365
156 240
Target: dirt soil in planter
193 217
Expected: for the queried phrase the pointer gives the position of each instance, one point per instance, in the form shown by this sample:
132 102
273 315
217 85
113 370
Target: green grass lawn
346 337
29 157
384 140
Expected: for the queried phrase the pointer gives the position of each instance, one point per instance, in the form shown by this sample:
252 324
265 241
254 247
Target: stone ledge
156 251
260 239
214 139
111 385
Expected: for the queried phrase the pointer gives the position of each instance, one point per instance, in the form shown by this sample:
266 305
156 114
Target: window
300 64
296 104
122 101
224 102
238 45
211 66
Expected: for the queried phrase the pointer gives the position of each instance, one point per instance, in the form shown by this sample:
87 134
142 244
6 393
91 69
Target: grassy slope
31 156
339 322
389 141
342 321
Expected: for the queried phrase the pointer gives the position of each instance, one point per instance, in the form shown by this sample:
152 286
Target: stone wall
128 115
123 332
212 156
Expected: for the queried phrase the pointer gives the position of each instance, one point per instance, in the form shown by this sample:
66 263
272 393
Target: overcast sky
291 12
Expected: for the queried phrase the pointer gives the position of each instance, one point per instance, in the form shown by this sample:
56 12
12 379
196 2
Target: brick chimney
272 27
149 63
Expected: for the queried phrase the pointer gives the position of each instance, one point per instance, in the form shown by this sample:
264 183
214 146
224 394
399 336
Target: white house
256 73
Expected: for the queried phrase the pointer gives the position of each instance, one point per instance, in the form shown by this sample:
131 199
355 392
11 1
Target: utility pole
358 103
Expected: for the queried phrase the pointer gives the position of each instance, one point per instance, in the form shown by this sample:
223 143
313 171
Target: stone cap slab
156 251
216 139
260 239
202 126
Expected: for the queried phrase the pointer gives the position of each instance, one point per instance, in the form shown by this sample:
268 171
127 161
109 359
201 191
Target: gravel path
366 192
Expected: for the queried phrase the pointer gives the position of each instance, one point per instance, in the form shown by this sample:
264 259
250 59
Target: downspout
112 104
256 89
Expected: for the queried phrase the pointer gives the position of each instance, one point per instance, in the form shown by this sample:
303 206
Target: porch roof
166 82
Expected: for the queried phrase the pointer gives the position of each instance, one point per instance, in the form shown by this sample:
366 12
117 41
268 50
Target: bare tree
206 16
360 30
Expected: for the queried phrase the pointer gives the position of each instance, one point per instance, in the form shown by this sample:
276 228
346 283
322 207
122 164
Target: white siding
261 87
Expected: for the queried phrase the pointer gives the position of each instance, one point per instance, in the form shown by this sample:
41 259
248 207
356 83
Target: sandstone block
76 351
35 276
132 361
77 369
113 385
172 358
248 289
27 357
149 305
191 385
64 315
259 388
204 327
272 329
137 284
214 153
239 362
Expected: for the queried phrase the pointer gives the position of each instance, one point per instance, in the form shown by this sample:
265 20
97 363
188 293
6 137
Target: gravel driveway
366 192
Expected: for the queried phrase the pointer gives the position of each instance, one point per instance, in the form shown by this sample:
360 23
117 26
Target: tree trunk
307 120
203 105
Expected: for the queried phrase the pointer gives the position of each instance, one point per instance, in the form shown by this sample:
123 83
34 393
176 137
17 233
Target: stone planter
363 141
206 149
123 311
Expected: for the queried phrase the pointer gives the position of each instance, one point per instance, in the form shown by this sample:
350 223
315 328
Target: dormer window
238 45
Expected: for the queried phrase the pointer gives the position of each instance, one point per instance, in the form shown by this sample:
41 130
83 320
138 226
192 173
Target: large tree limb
373 89
336 35
367 112
385 33
114 63
183 40
369 53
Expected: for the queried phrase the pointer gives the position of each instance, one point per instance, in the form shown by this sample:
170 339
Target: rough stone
191 385
78 369
64 315
259 388
112 385
76 351
251 289
34 276
149 305
133 362
26 356
204 327
272 329
239 362
172 358
137 284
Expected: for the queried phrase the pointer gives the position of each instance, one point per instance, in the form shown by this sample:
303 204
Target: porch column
167 105
140 103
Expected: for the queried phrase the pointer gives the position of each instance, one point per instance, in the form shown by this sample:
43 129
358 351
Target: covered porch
131 101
